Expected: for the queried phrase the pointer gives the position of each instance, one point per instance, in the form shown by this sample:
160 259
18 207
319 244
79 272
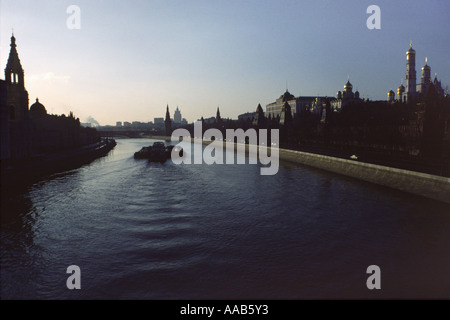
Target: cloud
48 77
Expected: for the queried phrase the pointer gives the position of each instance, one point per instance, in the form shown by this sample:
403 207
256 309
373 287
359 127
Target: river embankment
418 183
31 169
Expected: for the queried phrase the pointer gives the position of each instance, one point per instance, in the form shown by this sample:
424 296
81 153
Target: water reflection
17 220
156 231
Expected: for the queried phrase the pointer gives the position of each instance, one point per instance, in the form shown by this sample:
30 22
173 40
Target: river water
141 230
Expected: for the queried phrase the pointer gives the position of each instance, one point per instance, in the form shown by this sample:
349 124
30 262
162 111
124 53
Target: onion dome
348 86
426 66
411 51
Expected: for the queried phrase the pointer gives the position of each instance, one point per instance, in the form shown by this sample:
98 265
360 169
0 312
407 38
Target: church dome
411 50
391 93
348 86
287 96
401 88
37 109
426 66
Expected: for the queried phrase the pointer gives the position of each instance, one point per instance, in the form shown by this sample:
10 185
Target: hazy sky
131 58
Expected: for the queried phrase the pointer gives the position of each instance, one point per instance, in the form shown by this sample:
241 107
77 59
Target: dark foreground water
142 230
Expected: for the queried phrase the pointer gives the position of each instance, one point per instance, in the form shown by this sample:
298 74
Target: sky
129 59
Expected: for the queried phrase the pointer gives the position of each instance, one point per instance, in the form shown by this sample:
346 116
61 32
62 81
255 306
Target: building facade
296 105
274 109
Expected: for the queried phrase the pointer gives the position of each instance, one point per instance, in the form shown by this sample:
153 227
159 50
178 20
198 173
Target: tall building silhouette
218 117
286 114
177 116
168 122
19 127
17 95
410 76
260 119
401 93
425 80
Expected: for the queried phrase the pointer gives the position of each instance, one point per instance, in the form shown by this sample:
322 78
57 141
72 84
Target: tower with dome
410 75
413 91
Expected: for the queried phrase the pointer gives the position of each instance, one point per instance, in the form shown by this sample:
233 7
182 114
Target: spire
13 51
167 114
218 118
286 114
259 119
14 70
168 122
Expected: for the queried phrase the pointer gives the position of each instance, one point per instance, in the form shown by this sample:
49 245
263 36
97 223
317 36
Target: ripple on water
149 230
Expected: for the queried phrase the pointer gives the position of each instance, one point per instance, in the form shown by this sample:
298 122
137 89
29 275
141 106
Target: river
141 230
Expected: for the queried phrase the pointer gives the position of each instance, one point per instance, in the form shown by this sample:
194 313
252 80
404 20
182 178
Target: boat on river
158 152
